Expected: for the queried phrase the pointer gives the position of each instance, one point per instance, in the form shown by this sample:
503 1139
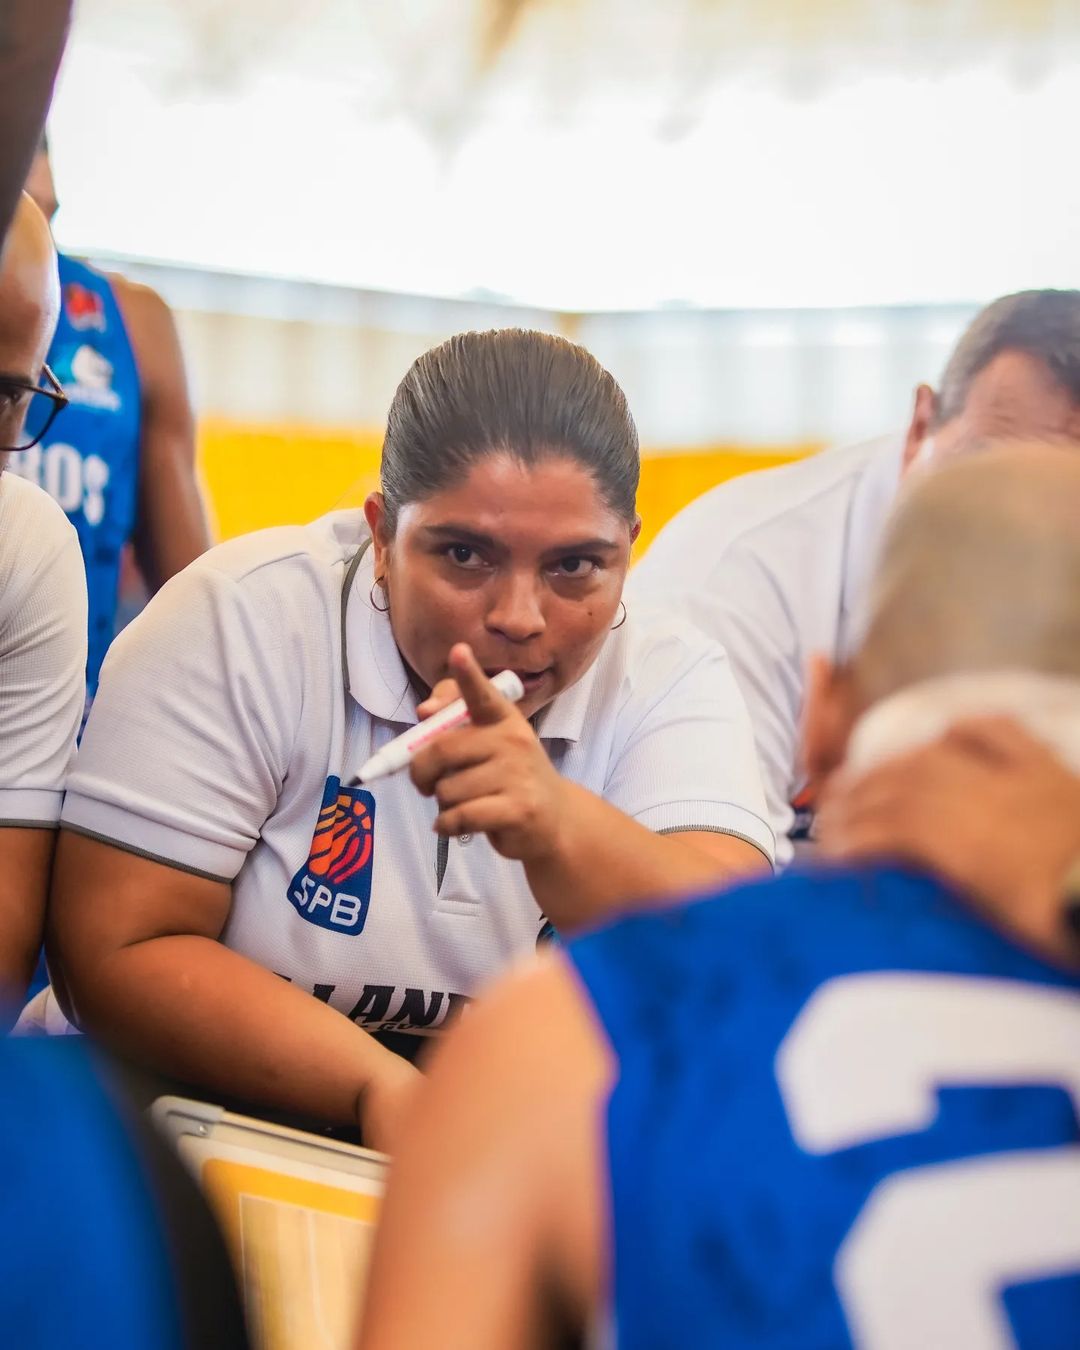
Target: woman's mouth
531 680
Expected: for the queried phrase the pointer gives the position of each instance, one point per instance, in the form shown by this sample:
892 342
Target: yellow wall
278 474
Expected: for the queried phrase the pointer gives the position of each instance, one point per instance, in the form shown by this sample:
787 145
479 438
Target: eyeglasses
48 399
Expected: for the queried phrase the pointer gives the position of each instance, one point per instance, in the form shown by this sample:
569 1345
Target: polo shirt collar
564 717
379 682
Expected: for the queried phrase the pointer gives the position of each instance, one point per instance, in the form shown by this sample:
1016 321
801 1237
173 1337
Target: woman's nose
517 612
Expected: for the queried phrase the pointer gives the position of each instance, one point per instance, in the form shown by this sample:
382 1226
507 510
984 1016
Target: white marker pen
400 751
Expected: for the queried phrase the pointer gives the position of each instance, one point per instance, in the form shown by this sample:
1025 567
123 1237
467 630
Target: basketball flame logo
343 840
333 888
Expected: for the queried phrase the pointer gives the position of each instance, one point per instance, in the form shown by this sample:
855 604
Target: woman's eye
575 567
464 556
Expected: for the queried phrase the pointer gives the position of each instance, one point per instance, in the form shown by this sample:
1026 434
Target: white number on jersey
69 479
926 1260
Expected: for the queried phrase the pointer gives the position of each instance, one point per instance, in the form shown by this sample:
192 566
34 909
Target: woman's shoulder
276 572
315 550
658 644
653 658
259 591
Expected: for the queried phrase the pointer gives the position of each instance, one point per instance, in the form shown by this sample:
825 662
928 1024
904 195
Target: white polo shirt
774 566
42 652
222 741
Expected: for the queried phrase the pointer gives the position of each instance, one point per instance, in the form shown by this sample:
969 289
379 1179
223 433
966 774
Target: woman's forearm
602 863
190 1008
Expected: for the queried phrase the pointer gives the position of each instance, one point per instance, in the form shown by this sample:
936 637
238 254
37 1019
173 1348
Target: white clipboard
298 1212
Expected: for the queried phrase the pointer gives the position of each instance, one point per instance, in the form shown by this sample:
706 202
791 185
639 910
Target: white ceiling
582 154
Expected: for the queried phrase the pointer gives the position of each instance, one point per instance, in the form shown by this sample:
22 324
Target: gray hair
979 571
1044 324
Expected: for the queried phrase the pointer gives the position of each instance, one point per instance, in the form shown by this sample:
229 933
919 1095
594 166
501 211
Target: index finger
484 702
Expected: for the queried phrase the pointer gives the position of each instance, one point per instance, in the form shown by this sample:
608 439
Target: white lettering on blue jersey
933 1248
75 481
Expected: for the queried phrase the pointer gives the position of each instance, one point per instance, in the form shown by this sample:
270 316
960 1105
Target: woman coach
230 909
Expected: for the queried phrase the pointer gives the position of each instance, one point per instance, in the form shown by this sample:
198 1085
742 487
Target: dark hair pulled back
524 393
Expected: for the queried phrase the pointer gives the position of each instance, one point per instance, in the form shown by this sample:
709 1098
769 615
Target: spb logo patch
333 888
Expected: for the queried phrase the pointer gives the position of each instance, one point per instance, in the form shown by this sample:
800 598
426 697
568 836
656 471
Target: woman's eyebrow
596 545
464 534
459 534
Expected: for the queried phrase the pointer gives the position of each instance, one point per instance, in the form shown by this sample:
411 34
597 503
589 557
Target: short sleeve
741 607
189 736
687 759
42 664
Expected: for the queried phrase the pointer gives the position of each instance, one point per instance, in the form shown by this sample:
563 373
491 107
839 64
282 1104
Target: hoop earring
623 619
379 609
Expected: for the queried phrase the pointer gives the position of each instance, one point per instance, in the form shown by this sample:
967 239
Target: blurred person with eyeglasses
122 463
42 609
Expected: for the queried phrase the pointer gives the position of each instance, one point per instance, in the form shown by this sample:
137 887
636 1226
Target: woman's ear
375 515
635 530
828 716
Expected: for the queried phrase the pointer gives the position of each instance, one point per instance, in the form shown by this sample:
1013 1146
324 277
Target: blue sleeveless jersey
90 461
846 1114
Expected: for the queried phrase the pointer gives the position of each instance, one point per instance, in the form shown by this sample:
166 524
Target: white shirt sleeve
742 608
42 653
749 615
188 739
687 759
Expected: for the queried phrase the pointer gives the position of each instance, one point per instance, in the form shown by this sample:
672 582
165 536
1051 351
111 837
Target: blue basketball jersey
90 460
846 1115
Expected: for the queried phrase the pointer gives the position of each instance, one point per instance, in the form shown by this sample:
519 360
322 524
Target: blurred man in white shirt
774 565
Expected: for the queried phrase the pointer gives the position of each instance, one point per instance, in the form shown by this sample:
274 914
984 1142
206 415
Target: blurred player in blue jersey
835 1109
121 462
108 1244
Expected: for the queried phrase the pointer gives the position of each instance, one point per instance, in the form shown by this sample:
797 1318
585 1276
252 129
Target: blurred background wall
769 219
293 380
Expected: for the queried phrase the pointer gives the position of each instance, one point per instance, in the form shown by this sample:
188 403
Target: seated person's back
841 1108
886 1081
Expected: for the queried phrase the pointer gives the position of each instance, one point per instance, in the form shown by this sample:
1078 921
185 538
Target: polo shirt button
464 838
